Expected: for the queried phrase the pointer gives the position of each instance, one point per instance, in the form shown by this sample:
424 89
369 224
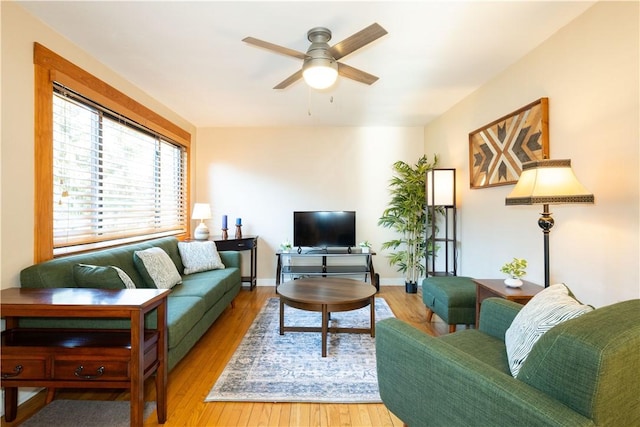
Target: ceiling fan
320 67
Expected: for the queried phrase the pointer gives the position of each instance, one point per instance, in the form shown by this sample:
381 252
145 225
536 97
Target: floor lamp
441 197
548 182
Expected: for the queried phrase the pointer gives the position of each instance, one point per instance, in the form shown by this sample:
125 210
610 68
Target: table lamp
548 182
201 211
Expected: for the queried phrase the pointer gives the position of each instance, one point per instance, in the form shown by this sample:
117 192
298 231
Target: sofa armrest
426 381
231 258
496 315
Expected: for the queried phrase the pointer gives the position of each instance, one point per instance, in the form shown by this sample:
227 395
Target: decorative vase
411 287
513 282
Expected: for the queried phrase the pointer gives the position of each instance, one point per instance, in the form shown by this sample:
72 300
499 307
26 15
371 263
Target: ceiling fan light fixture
320 73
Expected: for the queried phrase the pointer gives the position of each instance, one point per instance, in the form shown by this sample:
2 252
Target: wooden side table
85 358
486 288
245 243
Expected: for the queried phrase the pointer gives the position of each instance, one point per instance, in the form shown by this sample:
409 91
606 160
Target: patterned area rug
269 367
86 413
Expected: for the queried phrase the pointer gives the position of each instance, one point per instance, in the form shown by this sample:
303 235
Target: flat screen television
324 229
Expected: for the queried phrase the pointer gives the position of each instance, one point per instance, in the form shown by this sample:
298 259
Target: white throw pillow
159 267
545 310
199 256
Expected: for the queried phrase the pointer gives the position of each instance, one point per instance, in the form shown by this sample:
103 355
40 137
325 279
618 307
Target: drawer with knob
23 368
83 369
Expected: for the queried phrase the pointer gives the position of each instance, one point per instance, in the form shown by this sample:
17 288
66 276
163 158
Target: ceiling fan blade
274 47
289 80
355 74
356 41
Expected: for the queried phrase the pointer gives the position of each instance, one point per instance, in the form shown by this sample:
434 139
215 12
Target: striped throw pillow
545 310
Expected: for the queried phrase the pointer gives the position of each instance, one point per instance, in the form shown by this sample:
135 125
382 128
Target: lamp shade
548 182
441 187
201 211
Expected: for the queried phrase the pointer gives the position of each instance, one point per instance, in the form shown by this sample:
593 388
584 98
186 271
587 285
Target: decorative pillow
545 310
104 277
156 268
199 256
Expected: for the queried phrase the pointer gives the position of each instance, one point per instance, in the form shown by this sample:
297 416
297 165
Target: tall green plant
406 214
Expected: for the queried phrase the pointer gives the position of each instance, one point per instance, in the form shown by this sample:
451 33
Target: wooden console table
85 358
245 243
486 288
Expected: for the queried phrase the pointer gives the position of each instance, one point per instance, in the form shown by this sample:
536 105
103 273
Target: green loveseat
583 372
192 306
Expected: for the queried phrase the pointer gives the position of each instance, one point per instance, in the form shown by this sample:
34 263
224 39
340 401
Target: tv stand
326 262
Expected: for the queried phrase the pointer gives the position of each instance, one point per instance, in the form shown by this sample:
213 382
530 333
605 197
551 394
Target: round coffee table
327 295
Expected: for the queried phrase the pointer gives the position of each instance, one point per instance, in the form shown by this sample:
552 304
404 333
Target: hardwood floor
193 377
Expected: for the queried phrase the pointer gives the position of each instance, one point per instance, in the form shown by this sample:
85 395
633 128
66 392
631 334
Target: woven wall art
498 150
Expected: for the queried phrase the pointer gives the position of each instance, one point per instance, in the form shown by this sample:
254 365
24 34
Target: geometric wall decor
498 150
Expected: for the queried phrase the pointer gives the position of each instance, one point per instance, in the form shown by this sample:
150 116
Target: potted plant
516 269
285 246
406 214
365 246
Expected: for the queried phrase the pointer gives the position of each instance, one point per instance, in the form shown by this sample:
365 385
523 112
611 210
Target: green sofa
583 372
192 306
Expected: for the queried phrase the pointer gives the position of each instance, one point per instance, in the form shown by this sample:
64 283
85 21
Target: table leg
51 393
162 372
10 403
373 317
281 317
372 273
137 368
254 265
325 322
278 271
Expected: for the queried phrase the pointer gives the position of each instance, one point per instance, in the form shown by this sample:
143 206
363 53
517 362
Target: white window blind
114 181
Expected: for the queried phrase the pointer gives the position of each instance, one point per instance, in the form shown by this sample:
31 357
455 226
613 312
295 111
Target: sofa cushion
183 313
210 287
488 349
103 277
157 269
199 256
545 310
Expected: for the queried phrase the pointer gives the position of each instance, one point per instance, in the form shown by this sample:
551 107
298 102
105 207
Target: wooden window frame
50 67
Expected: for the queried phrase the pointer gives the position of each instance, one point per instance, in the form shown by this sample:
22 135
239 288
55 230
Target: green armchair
583 372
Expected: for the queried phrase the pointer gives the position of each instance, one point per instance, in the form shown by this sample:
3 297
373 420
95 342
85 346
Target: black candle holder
238 231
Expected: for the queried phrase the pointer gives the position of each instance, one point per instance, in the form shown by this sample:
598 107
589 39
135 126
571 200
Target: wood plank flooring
193 377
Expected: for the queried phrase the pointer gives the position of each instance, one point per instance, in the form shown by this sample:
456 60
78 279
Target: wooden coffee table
327 295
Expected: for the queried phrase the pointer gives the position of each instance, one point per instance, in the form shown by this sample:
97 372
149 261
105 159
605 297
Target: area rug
86 413
269 367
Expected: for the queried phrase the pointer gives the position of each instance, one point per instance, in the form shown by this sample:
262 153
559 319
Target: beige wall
589 71
19 31
264 174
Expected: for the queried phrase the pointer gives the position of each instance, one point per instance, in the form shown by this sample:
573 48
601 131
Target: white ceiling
190 55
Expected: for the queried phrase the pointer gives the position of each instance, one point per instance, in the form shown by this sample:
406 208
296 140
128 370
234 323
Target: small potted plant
285 246
516 269
365 246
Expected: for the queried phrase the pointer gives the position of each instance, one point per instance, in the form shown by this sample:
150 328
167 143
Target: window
108 170
112 178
